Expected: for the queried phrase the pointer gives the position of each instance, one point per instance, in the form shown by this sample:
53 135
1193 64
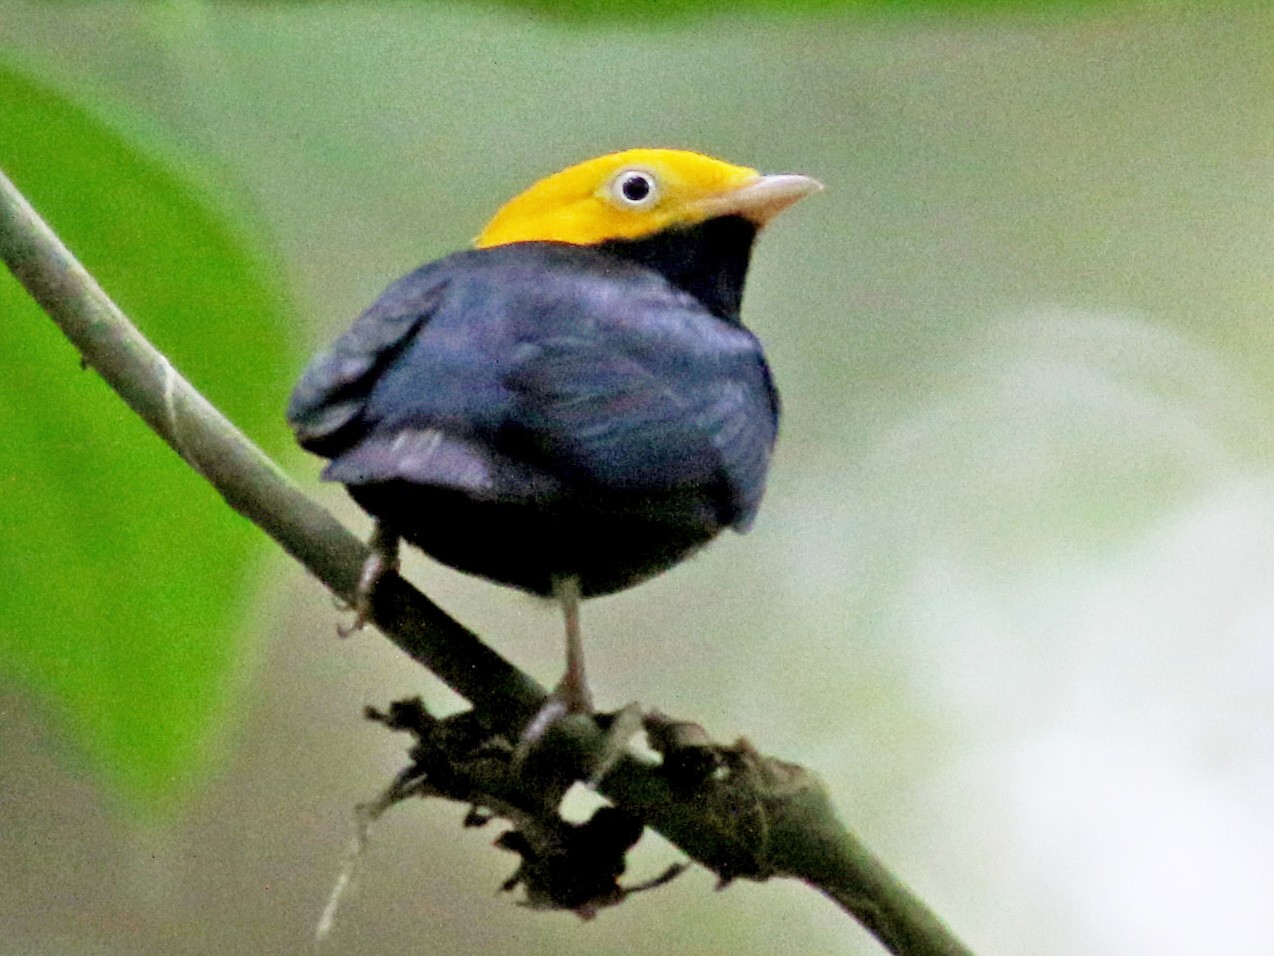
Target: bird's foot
570 696
618 729
381 561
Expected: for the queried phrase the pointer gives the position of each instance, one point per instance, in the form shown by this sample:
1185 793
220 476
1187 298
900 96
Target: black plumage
540 410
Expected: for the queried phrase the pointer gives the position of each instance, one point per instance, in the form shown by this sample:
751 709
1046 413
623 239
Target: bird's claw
553 710
381 561
568 697
618 729
362 608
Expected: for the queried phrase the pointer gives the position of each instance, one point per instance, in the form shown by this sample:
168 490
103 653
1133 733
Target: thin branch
250 482
763 818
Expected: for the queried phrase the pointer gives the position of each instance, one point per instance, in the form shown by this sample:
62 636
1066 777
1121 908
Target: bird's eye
635 189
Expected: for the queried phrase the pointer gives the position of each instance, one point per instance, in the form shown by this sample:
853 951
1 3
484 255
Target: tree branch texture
758 818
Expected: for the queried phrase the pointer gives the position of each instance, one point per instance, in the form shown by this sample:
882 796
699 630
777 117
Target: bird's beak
760 199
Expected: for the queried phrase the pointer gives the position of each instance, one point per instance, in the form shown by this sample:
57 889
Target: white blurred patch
1070 426
1071 557
1118 738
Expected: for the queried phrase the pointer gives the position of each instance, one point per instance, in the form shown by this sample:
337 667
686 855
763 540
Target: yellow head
637 193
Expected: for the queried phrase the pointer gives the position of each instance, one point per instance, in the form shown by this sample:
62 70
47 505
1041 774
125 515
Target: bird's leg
573 687
571 695
382 560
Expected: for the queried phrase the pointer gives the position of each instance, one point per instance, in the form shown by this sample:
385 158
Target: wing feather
538 370
331 397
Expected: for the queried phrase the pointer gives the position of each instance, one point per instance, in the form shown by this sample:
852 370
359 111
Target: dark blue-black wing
651 394
531 371
326 410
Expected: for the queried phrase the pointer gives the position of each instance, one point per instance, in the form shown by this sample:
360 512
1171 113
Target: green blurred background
1011 590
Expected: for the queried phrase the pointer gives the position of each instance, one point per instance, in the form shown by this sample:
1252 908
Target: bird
573 405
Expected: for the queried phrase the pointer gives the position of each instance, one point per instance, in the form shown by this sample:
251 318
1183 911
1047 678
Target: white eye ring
634 189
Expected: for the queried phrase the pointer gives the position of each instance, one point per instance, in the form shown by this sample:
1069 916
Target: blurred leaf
651 12
125 576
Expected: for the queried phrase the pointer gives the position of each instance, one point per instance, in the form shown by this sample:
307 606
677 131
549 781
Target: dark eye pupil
636 188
